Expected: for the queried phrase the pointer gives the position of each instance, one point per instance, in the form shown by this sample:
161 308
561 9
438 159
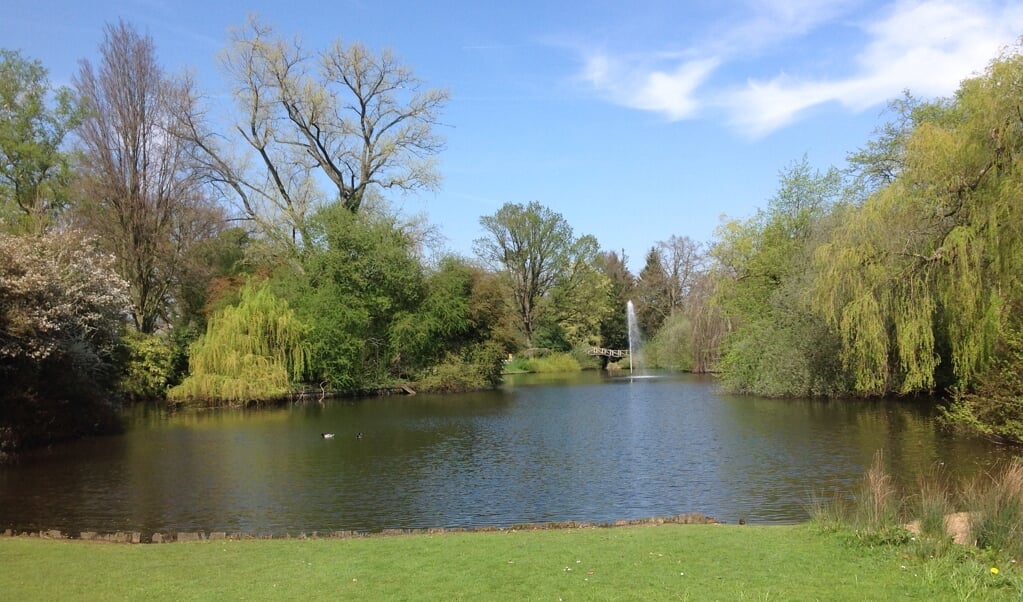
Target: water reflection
576 447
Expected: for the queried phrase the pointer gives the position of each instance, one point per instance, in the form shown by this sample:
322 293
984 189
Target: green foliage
778 347
916 279
359 292
478 368
148 366
552 336
671 347
994 408
652 305
34 171
550 275
580 301
251 352
614 328
551 363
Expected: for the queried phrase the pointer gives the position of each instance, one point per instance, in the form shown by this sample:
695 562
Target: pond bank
136 537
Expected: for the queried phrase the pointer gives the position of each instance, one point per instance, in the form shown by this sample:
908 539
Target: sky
635 120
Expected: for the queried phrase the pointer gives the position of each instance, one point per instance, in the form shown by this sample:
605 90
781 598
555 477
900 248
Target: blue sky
635 120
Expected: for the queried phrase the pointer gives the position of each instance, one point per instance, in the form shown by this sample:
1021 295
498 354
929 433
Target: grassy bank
669 562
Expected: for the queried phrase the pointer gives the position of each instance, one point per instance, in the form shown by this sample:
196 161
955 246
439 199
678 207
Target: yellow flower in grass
994 570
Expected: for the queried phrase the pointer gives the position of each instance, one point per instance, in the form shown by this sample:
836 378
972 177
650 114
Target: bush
671 347
479 368
148 365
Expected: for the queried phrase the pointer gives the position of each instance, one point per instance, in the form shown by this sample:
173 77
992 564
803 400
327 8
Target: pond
583 447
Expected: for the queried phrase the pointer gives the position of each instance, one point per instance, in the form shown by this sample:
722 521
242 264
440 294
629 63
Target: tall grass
989 506
880 507
996 509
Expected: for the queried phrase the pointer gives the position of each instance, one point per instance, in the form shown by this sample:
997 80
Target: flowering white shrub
58 295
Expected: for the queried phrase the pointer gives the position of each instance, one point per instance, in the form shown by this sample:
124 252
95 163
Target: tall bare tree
666 281
140 191
683 260
341 115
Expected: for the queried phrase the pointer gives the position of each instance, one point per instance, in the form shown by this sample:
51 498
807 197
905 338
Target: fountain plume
634 336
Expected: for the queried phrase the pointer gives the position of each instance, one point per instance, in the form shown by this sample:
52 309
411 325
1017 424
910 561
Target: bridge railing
616 353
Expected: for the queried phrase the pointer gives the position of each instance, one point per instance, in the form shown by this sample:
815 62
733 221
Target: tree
614 329
452 340
707 322
61 310
252 351
344 115
360 286
665 282
580 301
533 247
777 345
918 280
140 193
33 167
651 292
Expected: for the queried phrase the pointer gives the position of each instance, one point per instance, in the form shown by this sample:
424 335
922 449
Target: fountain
634 335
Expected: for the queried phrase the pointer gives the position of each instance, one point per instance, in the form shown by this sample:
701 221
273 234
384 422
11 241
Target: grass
551 363
668 562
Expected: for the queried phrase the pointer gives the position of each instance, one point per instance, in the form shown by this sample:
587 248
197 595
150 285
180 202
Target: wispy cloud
926 46
669 92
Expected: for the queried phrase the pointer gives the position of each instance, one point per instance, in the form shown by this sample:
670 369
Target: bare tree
342 115
666 281
682 260
140 192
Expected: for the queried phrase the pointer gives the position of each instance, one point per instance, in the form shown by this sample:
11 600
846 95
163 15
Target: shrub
479 368
148 365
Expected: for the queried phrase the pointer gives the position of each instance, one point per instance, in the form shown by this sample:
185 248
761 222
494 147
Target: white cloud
763 23
671 93
926 46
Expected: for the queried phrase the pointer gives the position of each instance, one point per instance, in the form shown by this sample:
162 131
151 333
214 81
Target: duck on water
331 435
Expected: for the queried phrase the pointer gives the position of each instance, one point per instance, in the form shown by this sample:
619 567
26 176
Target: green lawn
668 562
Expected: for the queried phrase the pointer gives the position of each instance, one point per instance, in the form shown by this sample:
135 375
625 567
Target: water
578 447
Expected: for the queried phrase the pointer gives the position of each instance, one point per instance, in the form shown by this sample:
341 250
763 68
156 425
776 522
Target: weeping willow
916 280
251 351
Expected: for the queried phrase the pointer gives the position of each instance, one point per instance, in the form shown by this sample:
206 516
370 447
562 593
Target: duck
327 435
359 436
